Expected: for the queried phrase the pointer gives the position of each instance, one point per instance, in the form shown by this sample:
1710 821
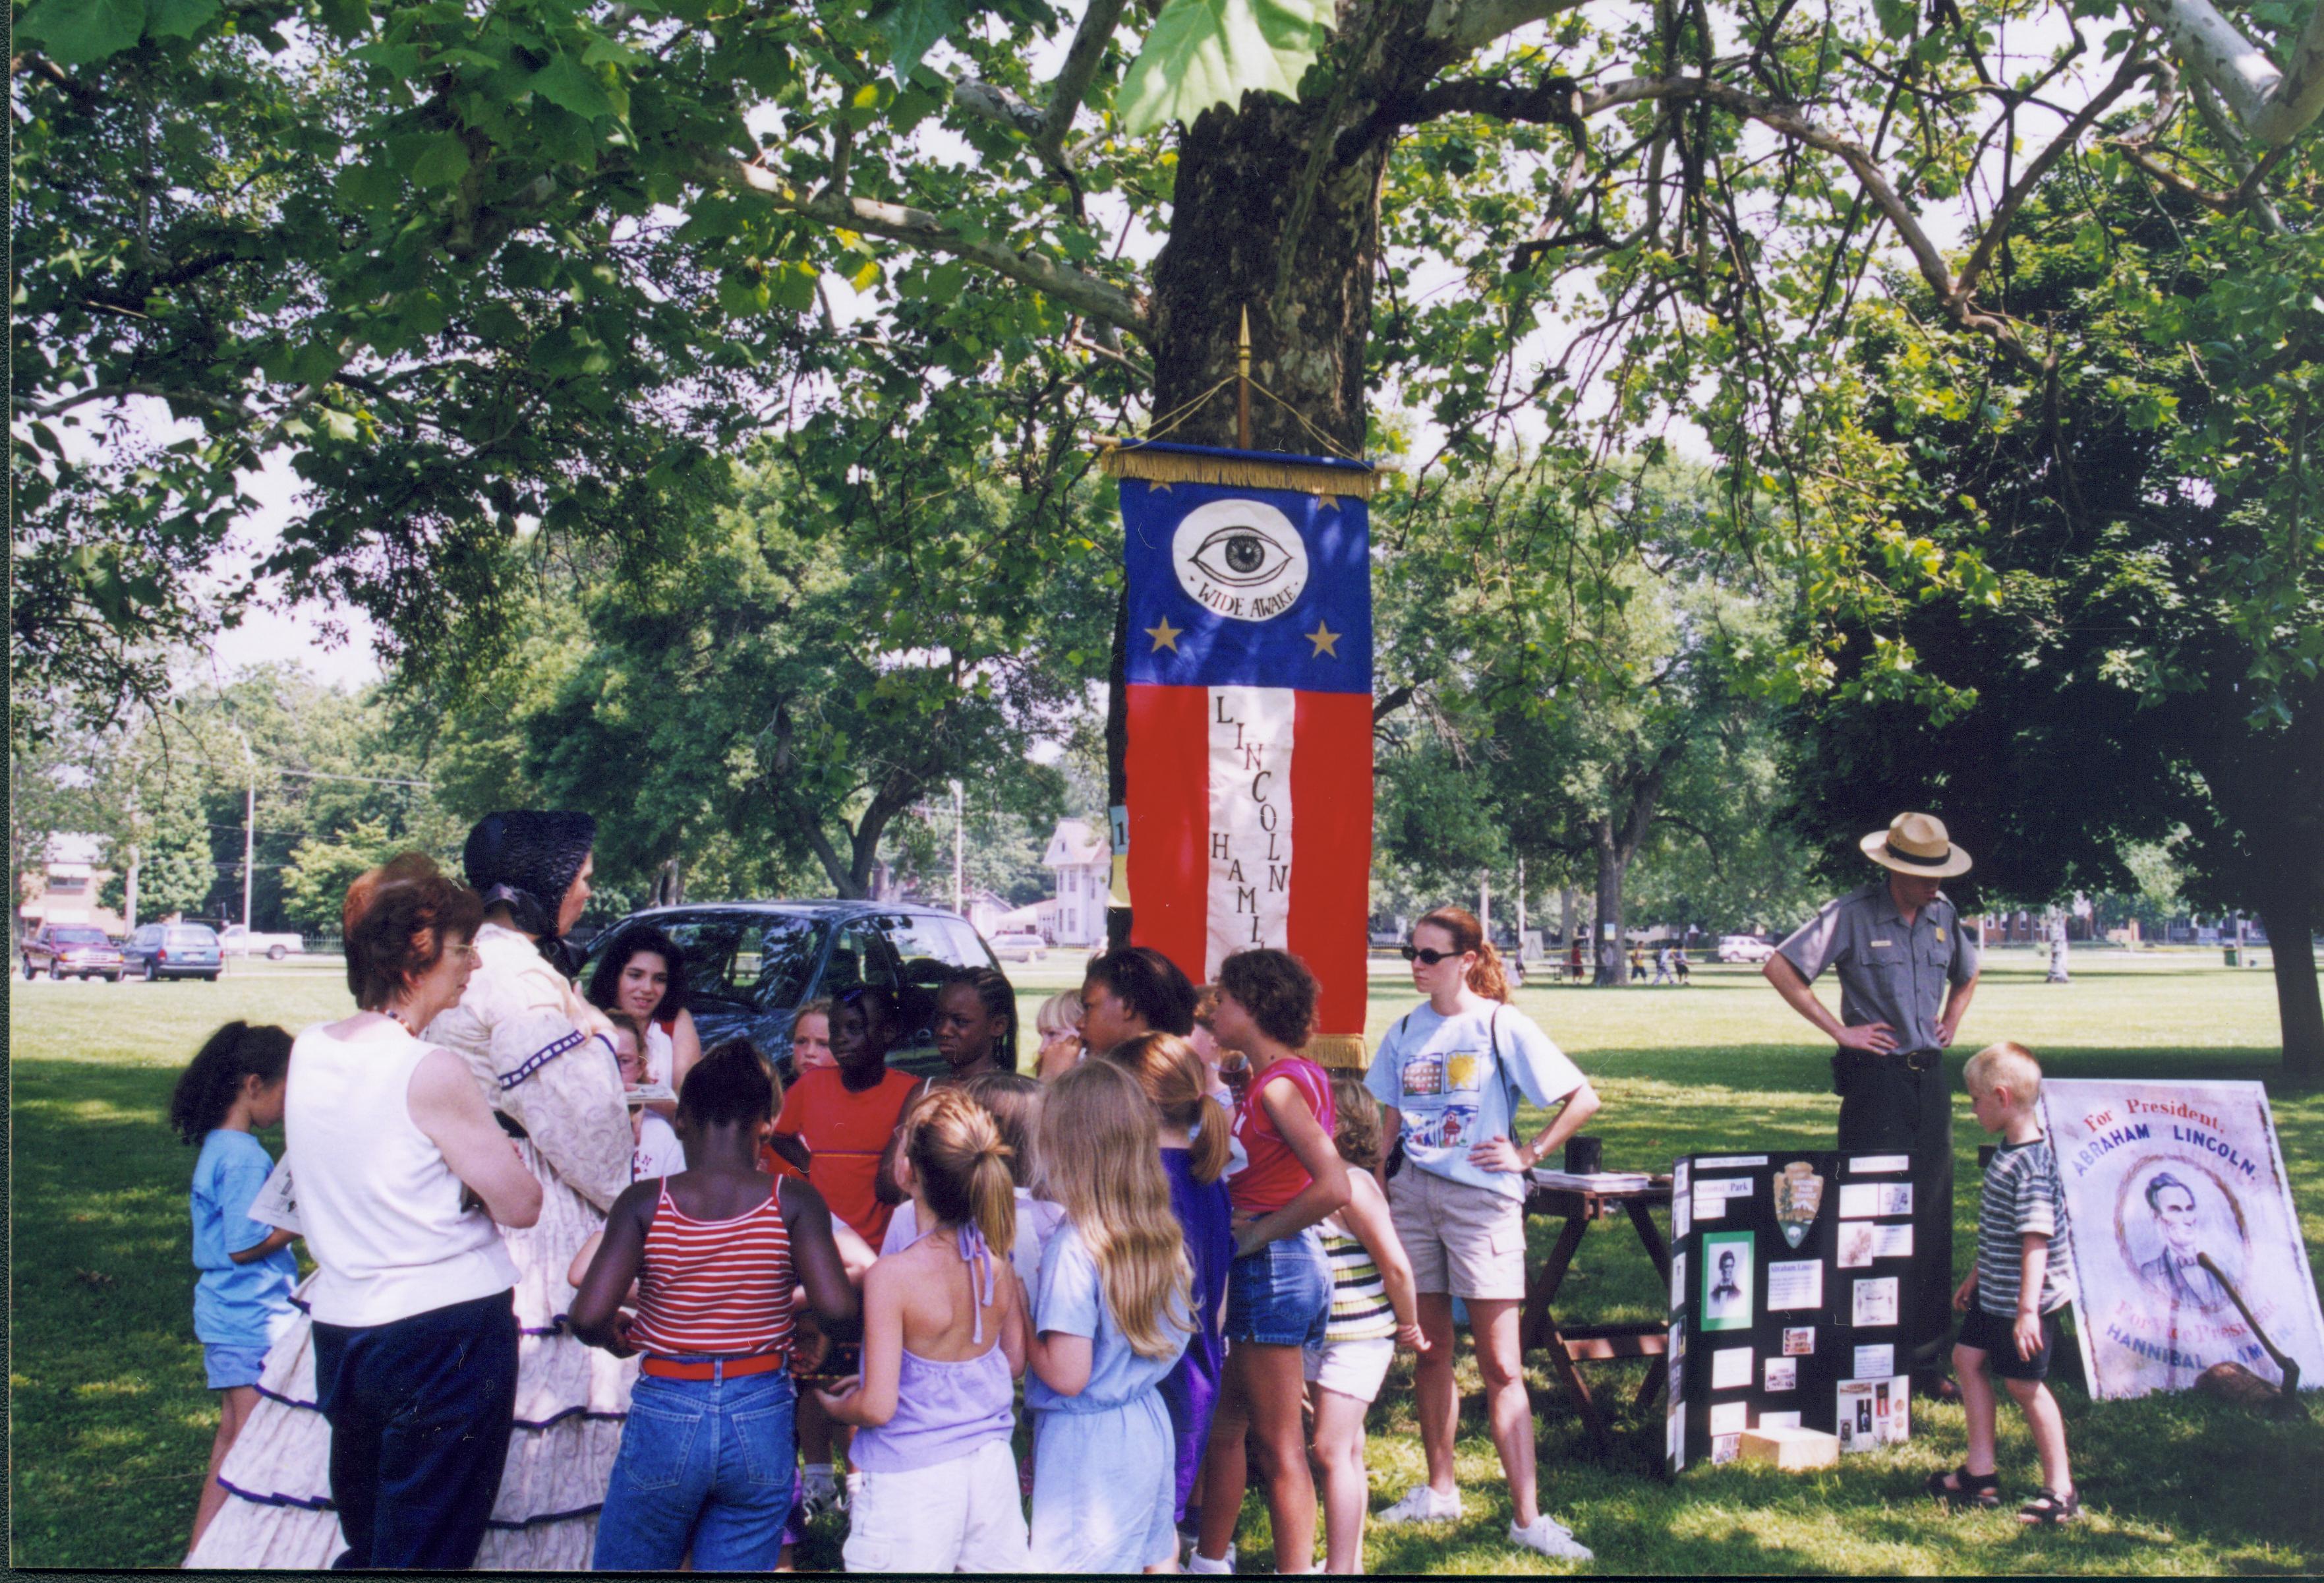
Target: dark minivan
172 951
750 965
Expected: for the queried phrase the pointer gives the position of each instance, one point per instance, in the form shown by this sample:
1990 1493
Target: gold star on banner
1165 636
1327 502
1325 638
1154 488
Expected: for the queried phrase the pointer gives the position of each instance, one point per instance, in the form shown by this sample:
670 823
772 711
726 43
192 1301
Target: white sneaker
1422 1505
1198 1562
1552 1538
819 1490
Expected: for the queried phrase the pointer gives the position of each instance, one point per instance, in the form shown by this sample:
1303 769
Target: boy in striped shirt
2011 1300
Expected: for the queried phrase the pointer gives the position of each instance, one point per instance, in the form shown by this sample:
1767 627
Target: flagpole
1242 384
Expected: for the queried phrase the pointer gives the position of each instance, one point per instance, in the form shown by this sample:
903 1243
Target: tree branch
1789 120
1996 229
1084 293
989 101
1466 26
2270 107
1074 79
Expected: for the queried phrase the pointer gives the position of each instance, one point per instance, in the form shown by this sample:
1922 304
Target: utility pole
249 822
959 813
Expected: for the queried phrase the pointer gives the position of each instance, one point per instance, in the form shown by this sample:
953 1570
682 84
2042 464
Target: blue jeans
421 1410
704 1463
1281 1295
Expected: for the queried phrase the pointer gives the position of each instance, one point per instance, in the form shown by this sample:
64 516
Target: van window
747 957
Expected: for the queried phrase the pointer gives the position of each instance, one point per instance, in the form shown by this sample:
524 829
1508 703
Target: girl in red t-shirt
1284 1175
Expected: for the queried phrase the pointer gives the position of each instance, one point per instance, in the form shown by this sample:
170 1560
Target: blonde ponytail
961 1165
1177 1084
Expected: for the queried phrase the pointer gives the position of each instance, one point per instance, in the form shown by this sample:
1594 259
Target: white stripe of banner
1251 731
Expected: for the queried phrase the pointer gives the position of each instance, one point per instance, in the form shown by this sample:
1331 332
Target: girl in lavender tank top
935 1487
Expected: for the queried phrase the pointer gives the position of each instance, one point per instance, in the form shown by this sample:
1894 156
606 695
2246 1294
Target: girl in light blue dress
1110 1322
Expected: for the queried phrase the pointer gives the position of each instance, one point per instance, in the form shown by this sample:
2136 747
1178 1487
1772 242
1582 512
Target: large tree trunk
1613 864
2289 926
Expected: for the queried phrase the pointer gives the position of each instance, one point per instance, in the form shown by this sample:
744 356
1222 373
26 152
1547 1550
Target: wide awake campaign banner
1250 754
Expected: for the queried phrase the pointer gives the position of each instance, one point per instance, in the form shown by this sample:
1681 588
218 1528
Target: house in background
63 889
1082 860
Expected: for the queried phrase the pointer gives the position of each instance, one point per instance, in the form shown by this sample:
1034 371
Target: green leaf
179 19
1897 17
914 27
345 19
1205 52
441 163
567 84
75 33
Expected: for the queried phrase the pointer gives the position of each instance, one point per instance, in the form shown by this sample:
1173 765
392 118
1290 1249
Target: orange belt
713 1368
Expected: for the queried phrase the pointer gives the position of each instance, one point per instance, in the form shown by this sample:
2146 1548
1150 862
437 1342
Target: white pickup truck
235 940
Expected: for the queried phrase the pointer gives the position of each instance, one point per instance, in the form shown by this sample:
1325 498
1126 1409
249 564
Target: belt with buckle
713 1368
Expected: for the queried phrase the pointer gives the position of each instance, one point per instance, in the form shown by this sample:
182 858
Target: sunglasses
1426 958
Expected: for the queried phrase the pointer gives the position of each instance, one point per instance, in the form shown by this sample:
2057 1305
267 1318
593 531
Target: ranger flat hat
1916 843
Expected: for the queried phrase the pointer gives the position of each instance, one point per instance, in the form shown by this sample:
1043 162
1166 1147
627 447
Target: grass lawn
111 1427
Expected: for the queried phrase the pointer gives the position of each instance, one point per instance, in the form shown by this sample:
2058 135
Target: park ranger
1907 971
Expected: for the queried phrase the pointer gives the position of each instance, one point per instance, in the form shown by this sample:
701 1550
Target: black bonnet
526 860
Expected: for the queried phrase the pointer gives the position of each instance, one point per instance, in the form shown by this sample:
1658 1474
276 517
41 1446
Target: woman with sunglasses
1449 1076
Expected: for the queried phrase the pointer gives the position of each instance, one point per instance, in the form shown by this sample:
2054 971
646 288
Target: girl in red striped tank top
717 1254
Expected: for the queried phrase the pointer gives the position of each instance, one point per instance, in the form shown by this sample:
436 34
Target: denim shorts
705 1465
230 1366
1281 1295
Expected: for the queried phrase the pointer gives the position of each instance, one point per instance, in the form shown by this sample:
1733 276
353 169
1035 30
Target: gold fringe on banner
1132 460
1340 1051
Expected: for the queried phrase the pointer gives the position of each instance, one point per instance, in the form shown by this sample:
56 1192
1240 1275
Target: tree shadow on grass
111 1419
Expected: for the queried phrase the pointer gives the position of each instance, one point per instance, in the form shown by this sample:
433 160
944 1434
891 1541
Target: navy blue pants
419 1411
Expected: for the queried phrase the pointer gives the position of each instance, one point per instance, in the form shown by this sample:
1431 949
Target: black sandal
2049 1509
1961 1488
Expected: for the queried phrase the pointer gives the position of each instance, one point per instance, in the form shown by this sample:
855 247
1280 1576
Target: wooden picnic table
1570 1346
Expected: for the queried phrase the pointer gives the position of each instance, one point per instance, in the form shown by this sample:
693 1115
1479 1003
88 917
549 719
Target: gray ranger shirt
1889 971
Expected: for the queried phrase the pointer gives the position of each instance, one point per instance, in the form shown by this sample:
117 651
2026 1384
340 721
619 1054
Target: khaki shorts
1468 1241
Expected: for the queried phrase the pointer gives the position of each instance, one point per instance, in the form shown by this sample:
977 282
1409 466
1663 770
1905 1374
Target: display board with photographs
1786 1299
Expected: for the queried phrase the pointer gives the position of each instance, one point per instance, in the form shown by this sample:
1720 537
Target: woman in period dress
539 1051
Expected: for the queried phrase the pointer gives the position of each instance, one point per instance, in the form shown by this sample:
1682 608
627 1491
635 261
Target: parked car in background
71 951
1019 945
1744 947
172 951
750 966
236 940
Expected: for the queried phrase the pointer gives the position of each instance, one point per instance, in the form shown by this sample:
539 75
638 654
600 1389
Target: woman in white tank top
403 1182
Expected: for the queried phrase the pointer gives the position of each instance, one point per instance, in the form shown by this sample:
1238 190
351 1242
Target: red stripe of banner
1332 851
1168 765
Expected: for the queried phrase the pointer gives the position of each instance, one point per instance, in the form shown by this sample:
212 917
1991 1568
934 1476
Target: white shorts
964 1515
1352 1368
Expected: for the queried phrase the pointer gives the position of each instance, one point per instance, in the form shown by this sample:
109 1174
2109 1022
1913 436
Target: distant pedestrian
1662 965
1679 965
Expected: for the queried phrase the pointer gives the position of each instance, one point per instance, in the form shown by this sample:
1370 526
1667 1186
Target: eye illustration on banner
1240 558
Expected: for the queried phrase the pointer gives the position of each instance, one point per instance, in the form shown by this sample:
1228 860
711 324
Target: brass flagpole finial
1242 382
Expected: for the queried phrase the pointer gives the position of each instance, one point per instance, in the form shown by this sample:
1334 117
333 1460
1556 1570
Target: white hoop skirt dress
521 1028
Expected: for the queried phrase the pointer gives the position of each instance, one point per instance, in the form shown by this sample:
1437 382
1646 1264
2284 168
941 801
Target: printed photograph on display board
1787 1293
2179 1205
1728 1281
